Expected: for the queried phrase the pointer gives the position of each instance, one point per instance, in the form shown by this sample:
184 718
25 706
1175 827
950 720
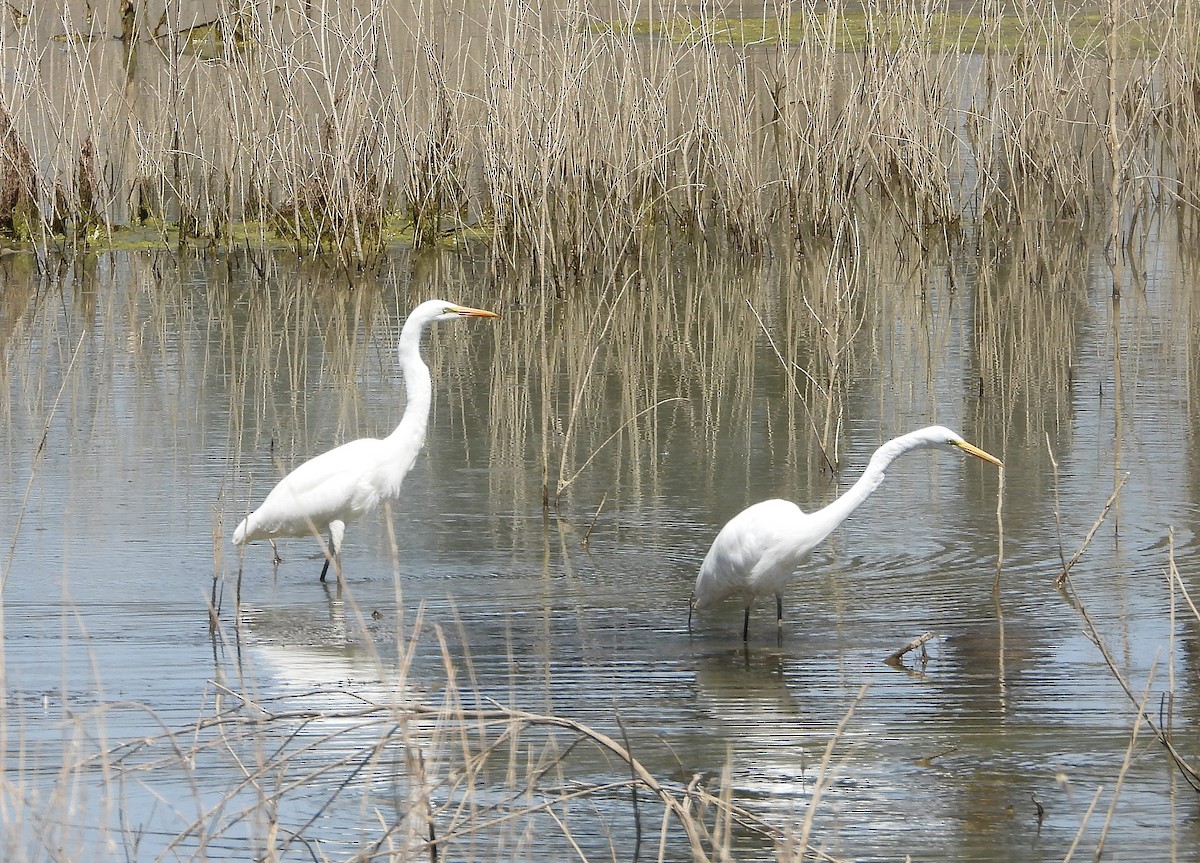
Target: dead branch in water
893 658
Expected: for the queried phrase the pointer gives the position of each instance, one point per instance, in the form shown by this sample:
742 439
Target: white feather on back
750 548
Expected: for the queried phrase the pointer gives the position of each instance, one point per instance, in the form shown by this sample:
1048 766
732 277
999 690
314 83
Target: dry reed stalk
572 147
1178 580
284 752
1113 139
1083 824
37 455
576 140
1062 557
747 821
1001 650
597 338
215 597
1062 576
823 776
820 133
11 804
911 145
681 334
1189 772
585 367
1027 360
564 482
824 311
1176 121
1033 136
339 202
1126 761
506 715
837 323
788 368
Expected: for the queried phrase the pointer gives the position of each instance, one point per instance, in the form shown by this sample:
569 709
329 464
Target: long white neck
418 391
824 521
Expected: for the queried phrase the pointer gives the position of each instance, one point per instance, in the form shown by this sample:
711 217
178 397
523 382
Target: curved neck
418 388
826 519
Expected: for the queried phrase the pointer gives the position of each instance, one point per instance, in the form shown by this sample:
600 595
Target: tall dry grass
569 140
398 775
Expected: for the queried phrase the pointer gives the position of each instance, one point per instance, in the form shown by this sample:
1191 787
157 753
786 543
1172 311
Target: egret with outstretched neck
345 483
759 549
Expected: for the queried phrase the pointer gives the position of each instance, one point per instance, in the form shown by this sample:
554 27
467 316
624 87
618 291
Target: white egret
759 549
340 485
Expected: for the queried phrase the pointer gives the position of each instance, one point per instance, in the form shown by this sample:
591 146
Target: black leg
337 529
746 625
779 609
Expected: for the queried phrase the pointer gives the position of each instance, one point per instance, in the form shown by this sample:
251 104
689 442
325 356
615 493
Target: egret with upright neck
343 484
759 549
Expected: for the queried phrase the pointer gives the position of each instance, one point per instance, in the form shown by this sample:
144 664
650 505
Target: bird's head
451 312
944 438
444 310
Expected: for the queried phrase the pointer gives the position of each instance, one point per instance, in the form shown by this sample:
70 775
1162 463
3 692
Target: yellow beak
468 312
978 453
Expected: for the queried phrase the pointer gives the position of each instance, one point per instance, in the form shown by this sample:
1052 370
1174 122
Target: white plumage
760 548
345 483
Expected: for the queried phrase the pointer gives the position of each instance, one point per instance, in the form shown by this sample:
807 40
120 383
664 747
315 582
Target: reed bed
570 136
670 335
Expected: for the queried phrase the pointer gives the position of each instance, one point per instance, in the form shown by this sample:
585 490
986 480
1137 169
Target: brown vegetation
569 141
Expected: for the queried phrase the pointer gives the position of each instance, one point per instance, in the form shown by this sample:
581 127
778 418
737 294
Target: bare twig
1133 736
37 457
588 533
1062 577
1190 774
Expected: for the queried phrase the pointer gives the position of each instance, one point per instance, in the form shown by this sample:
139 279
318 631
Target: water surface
171 393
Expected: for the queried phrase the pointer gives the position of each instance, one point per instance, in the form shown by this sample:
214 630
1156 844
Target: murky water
170 393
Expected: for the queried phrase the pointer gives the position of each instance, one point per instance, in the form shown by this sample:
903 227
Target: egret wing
747 539
329 486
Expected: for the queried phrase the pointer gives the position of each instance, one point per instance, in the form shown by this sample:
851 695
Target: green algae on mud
397 233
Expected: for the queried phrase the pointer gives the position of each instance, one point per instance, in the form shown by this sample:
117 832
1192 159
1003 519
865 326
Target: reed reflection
654 390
